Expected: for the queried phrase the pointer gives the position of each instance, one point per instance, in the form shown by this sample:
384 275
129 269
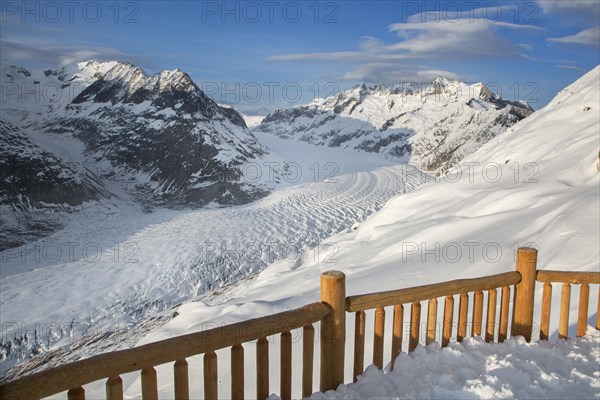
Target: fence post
524 293
333 330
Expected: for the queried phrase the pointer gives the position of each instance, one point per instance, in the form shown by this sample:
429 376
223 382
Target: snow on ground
474 369
109 269
537 184
253 120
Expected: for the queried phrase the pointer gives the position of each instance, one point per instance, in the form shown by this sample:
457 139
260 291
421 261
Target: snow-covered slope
552 203
119 272
432 126
158 139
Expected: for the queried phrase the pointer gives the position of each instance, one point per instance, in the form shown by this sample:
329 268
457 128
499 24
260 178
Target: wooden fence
331 314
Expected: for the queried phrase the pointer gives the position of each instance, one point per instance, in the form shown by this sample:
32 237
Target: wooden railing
585 279
74 375
331 313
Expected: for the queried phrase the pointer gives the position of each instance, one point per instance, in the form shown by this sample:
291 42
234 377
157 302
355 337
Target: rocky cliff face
158 138
433 126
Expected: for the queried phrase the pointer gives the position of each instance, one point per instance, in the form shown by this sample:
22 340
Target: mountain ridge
409 122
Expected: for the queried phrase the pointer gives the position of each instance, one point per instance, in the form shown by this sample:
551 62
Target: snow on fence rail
331 313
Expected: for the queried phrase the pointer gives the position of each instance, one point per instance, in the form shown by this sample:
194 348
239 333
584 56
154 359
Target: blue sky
281 53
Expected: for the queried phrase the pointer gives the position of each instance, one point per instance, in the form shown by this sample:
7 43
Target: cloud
58 55
420 39
590 37
588 10
390 73
570 67
458 39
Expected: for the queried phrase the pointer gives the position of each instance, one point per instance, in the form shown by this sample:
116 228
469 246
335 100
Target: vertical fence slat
114 388
546 305
565 303
149 384
415 324
584 298
397 332
237 372
359 344
463 310
477 313
490 330
211 388
262 368
77 393
182 385
308 353
504 306
378 338
285 386
431 321
448 316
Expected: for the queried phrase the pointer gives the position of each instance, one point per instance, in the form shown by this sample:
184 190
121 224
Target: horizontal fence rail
574 277
421 293
489 306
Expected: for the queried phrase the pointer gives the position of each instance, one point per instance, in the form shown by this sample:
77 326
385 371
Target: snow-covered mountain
433 126
107 129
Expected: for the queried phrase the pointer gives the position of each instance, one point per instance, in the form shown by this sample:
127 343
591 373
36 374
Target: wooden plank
546 306
149 384
431 321
114 388
448 317
426 292
182 384
504 310
415 325
378 337
262 369
359 344
333 330
490 330
79 373
565 303
285 383
211 376
308 353
524 293
77 393
584 298
237 372
477 313
397 332
463 310
573 277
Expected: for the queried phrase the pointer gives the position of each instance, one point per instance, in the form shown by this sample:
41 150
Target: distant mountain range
102 132
433 126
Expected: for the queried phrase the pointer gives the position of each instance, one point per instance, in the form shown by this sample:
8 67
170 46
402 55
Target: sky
278 54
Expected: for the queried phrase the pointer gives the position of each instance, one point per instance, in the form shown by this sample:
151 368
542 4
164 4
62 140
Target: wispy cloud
570 67
59 55
429 40
390 73
583 10
419 40
589 37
